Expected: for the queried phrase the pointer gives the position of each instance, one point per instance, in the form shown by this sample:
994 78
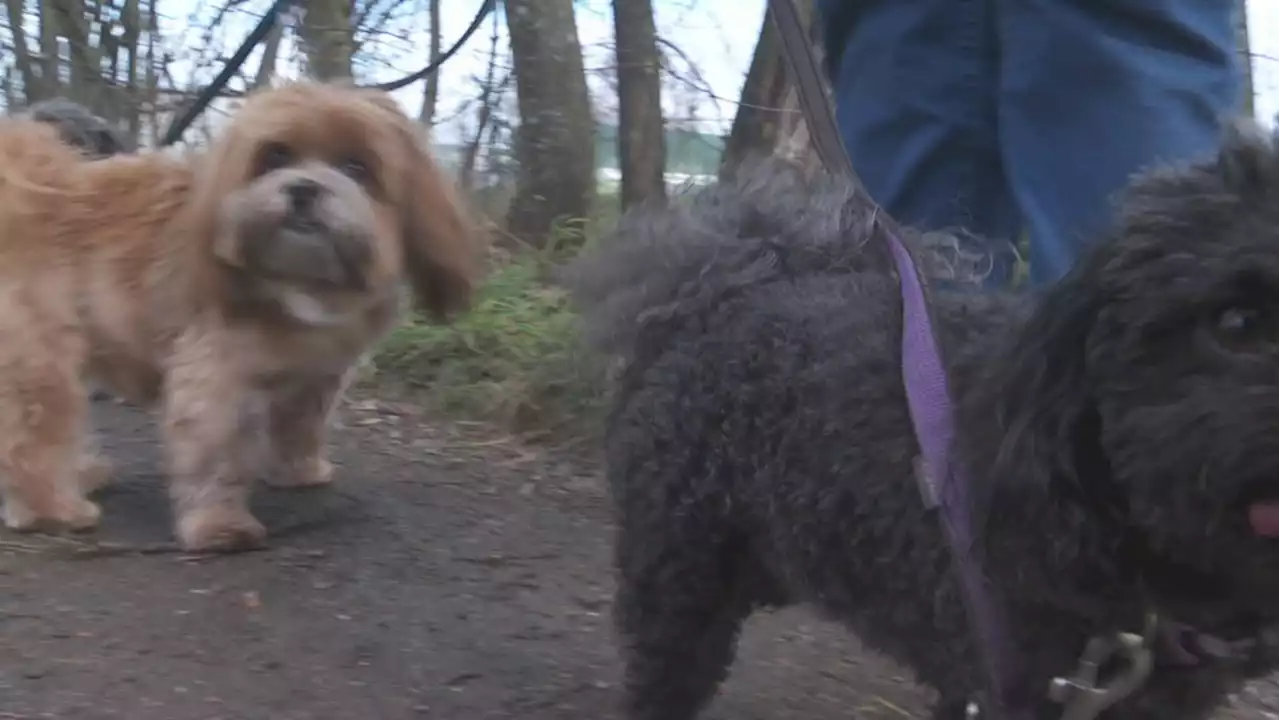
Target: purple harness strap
927 394
929 401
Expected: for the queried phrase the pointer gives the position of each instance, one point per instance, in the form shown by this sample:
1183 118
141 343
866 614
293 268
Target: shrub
517 357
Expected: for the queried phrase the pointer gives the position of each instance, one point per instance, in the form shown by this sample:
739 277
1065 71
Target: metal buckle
1080 695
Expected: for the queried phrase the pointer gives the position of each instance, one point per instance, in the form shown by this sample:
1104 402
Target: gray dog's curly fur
1115 429
80 128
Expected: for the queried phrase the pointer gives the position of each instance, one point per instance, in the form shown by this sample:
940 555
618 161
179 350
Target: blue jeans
999 116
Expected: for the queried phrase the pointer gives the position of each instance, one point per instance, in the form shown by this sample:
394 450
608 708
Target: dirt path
448 574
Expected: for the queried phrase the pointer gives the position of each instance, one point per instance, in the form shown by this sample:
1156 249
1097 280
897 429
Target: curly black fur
80 128
1113 430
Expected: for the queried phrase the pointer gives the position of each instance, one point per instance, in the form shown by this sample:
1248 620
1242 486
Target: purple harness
944 487
928 397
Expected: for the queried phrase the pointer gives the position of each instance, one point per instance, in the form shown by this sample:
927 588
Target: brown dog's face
320 199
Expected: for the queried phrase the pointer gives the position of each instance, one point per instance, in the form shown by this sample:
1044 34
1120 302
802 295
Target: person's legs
1093 91
915 92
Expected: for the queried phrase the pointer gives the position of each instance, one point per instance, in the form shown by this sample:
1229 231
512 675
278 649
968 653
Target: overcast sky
719 36
716 36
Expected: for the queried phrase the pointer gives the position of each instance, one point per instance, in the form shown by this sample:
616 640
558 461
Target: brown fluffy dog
234 289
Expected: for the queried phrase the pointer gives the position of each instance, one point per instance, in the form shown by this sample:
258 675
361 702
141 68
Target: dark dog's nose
302 194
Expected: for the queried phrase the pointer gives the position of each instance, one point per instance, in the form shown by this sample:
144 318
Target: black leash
485 8
268 21
805 73
206 96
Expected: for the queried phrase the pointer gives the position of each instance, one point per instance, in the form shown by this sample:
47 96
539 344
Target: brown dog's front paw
312 472
220 529
93 472
68 514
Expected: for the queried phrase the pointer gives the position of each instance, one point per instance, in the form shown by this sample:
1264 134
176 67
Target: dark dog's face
1134 431
1181 363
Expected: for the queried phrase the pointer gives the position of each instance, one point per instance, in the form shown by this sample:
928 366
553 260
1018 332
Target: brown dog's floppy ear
441 248
206 251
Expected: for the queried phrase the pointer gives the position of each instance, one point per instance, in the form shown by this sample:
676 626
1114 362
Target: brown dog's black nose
302 194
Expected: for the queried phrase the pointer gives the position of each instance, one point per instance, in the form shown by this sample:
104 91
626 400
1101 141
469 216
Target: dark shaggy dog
80 128
1119 433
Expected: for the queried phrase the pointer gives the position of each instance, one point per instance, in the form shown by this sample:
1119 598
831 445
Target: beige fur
197 285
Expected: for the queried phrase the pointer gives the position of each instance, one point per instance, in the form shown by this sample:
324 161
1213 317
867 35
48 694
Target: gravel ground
450 573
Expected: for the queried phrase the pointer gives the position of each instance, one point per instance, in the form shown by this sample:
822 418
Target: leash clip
1081 696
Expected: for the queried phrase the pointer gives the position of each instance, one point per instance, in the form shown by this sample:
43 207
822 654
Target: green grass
516 358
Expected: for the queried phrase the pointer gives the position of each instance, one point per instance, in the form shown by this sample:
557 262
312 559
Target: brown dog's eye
355 169
274 156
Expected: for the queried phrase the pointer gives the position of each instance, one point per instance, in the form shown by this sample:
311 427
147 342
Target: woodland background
551 139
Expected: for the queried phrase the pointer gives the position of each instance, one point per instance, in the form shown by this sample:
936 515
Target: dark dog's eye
355 169
1242 329
274 156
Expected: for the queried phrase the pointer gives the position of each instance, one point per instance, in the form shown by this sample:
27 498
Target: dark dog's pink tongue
1262 516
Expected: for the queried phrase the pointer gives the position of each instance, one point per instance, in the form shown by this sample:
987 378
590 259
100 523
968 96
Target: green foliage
517 357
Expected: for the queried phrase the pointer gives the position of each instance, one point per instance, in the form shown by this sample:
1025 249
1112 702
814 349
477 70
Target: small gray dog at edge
80 128
92 135
1118 431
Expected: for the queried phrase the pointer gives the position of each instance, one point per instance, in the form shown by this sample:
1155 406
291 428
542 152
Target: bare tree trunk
35 88
270 52
152 72
85 76
755 126
489 93
431 89
111 101
50 56
769 118
555 143
642 153
50 59
1246 56
329 39
793 141
132 24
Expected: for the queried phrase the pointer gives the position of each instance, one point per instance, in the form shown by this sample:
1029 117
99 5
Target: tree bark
431 88
490 93
769 118
85 70
328 38
131 20
34 88
755 125
151 71
49 58
641 138
270 54
555 142
1246 56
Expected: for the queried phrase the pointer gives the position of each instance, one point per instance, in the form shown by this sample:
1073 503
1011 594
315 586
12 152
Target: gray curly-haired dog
80 128
1119 434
